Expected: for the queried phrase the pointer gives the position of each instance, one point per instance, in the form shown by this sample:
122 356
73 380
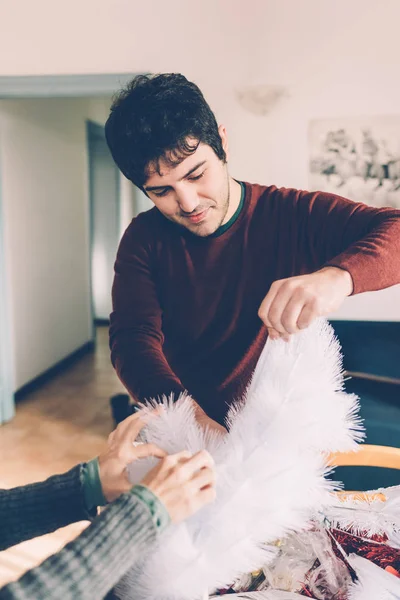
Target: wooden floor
64 422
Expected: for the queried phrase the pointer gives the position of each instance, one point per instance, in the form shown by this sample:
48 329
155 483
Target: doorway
104 198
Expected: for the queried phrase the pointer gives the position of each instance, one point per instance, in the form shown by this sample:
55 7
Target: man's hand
292 304
120 452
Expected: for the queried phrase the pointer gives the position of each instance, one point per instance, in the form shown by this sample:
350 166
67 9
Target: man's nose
187 200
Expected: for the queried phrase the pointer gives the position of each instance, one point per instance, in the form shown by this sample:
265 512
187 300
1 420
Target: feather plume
271 468
368 517
373 582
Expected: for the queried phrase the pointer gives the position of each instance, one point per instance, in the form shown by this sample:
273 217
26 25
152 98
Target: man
202 279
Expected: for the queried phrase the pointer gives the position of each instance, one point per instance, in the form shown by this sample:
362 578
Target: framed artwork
357 157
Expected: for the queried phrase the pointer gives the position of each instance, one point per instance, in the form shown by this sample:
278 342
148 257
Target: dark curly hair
159 116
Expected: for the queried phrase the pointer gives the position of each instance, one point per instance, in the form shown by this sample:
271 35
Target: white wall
98 109
45 208
336 59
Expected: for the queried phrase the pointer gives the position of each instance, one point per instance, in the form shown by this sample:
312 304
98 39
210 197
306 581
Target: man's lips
197 218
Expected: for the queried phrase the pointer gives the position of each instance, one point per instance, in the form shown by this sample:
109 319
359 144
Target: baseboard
59 367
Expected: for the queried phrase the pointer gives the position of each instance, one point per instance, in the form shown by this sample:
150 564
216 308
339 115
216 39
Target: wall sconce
260 99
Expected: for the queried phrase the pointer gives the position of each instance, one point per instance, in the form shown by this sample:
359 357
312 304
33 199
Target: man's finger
273 333
291 314
266 303
307 316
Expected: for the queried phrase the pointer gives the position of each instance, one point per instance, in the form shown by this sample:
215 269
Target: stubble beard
222 210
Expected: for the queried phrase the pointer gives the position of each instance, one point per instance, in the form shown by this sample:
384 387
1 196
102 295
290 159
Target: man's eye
196 177
160 194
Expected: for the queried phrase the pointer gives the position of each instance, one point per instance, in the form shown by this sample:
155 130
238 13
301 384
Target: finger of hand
185 468
206 477
268 300
200 460
144 450
120 430
130 428
180 457
292 312
307 316
285 294
273 334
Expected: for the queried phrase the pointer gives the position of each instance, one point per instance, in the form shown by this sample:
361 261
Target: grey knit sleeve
91 565
39 508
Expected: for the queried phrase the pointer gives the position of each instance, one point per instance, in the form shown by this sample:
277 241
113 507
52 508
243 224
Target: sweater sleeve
136 338
39 508
361 239
91 565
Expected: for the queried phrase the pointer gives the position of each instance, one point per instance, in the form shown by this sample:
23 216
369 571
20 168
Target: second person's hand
120 452
184 483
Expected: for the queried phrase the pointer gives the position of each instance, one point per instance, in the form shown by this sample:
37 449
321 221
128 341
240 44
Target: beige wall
45 208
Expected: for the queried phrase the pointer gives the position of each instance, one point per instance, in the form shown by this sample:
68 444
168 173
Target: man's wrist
342 276
199 413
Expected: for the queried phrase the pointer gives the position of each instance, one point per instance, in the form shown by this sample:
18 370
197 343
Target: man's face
194 194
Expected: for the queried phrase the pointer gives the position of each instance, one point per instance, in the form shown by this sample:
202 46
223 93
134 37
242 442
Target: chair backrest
366 455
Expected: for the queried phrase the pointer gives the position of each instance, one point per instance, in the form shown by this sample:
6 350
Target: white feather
369 516
373 582
174 430
270 468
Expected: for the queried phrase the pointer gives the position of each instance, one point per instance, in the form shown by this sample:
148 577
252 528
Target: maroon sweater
185 307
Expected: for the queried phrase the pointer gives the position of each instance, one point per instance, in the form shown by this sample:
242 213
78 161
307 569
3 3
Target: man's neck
235 192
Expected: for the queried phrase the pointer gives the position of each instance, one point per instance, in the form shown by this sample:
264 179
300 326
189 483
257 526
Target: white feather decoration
371 517
373 582
270 468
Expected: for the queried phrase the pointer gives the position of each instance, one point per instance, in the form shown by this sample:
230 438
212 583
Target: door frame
39 86
7 405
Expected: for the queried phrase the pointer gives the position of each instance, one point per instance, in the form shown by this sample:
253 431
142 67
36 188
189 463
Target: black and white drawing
358 158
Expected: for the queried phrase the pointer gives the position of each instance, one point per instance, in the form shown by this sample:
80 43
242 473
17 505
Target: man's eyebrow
200 164
154 188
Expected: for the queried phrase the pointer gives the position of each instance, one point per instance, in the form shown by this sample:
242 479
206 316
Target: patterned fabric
91 565
92 490
158 511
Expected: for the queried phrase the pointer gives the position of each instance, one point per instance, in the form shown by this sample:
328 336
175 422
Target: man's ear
224 138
